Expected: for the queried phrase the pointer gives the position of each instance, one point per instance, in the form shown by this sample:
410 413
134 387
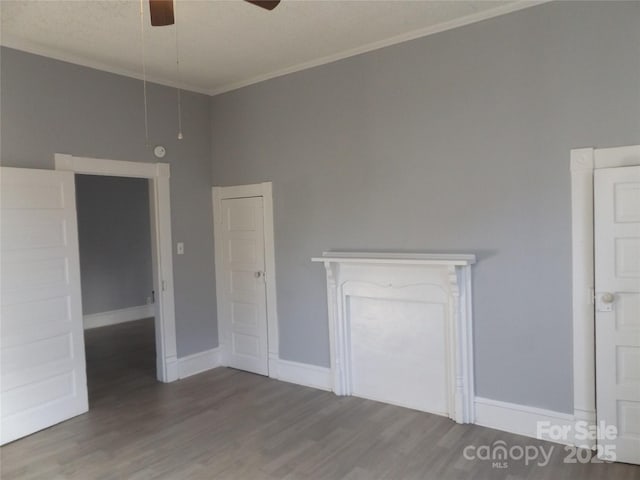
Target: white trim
453 277
160 213
198 362
626 156
47 51
270 270
119 168
583 162
404 37
218 260
397 258
584 396
465 375
302 374
284 370
38 49
263 190
113 317
521 419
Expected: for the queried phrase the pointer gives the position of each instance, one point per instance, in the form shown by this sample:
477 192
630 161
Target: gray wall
51 107
115 242
457 142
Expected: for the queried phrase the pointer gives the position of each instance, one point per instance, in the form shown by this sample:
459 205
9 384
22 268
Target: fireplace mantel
397 258
401 293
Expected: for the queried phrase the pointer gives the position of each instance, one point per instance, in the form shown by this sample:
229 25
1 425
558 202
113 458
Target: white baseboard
198 362
521 419
113 317
300 373
508 417
171 365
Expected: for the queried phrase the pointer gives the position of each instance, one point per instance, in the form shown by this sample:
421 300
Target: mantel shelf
397 258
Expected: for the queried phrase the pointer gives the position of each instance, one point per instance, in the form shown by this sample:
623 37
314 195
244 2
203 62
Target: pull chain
175 16
144 75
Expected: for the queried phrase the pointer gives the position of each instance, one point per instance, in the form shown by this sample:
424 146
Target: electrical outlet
180 248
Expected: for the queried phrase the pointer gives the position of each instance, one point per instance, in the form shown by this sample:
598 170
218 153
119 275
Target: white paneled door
243 266
617 272
42 374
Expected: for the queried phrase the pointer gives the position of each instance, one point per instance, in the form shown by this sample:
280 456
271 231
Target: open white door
42 375
617 274
244 284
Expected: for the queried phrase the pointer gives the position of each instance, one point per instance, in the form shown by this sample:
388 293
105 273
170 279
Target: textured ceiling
226 44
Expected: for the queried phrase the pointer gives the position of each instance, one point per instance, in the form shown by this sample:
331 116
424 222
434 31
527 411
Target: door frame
162 262
583 163
264 190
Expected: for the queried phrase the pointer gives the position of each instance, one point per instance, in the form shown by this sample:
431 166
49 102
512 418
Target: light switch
180 248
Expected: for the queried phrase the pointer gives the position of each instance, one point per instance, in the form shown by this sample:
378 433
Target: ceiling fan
162 10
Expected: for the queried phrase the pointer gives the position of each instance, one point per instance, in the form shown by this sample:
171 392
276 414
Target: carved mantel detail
424 279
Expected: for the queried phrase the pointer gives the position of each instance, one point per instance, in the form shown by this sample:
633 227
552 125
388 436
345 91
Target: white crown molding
38 49
10 41
387 42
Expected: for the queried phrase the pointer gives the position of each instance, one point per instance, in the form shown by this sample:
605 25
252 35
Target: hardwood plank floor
227 424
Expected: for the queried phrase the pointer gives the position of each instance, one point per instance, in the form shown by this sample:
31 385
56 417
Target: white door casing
617 302
43 378
245 285
158 175
583 163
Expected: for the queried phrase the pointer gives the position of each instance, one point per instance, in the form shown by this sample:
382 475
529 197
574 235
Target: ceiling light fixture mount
159 151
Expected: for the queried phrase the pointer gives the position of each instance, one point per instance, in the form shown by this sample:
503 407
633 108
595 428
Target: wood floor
226 424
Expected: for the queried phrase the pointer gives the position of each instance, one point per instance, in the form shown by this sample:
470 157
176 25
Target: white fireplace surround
441 282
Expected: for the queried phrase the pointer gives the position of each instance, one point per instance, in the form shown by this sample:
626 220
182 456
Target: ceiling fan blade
268 4
161 12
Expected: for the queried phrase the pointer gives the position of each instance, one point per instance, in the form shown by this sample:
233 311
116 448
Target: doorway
44 368
605 190
114 237
157 175
245 277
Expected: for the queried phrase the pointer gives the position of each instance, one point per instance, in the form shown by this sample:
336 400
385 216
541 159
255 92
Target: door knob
258 274
608 297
